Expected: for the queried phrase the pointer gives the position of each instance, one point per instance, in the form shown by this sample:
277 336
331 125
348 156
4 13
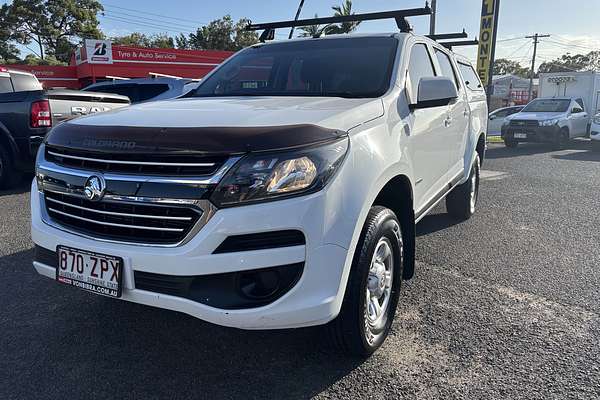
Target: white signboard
98 51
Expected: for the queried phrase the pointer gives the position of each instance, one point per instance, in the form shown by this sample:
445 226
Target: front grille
122 221
179 165
523 123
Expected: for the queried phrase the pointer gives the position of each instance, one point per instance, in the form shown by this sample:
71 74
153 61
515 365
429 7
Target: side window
25 83
420 66
501 113
512 111
576 108
470 76
580 102
5 85
446 66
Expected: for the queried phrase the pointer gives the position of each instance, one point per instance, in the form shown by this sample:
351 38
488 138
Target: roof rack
446 36
450 45
399 15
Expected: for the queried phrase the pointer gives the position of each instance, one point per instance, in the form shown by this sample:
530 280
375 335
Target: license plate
520 135
98 273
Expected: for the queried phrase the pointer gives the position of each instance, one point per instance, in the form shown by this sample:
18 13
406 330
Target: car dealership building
99 60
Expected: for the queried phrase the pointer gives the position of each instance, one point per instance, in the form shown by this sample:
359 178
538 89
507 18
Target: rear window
470 76
135 92
25 83
5 85
147 92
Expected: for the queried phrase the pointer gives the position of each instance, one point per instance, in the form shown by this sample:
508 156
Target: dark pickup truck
27 112
24 121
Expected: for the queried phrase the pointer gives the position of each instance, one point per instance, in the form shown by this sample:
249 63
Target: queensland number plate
98 273
519 135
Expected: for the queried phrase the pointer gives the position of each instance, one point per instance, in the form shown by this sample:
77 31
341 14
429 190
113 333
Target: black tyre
373 287
510 143
8 175
462 201
562 139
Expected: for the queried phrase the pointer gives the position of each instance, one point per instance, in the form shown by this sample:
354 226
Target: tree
137 39
330 29
569 62
54 26
182 41
345 27
312 30
502 66
220 34
8 51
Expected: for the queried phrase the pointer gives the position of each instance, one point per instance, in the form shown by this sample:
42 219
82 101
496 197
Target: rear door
457 120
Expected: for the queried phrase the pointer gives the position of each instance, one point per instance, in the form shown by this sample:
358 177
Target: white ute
284 194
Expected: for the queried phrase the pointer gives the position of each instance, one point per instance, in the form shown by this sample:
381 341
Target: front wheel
373 286
462 201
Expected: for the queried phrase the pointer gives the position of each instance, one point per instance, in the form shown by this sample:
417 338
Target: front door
430 132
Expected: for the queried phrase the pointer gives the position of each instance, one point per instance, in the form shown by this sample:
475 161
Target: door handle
466 113
448 122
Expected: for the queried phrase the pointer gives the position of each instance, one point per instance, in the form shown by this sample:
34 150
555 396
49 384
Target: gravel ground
505 305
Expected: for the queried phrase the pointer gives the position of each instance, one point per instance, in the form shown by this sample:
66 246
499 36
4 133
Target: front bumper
314 299
539 134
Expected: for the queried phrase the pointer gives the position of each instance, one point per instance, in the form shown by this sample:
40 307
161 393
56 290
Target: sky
574 26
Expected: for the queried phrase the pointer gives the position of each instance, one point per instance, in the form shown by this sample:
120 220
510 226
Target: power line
144 24
157 15
152 20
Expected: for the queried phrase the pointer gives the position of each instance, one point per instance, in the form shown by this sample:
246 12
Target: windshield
550 105
357 67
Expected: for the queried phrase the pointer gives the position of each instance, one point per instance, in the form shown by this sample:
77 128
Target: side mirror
435 92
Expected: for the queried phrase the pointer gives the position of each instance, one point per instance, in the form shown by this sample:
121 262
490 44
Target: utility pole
532 72
296 18
432 18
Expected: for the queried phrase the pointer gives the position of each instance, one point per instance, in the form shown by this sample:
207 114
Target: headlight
268 176
550 122
597 119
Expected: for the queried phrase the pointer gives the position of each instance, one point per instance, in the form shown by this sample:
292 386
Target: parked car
67 104
595 132
497 118
551 120
277 197
142 90
24 121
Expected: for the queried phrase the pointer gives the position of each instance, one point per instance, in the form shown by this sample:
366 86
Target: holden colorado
284 193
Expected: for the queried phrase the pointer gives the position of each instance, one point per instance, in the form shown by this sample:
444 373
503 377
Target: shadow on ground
435 222
24 185
579 156
99 347
497 151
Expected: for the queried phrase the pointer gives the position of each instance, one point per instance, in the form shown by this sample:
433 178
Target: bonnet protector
207 140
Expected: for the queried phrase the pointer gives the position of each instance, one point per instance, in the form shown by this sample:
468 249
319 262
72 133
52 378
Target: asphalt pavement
503 306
